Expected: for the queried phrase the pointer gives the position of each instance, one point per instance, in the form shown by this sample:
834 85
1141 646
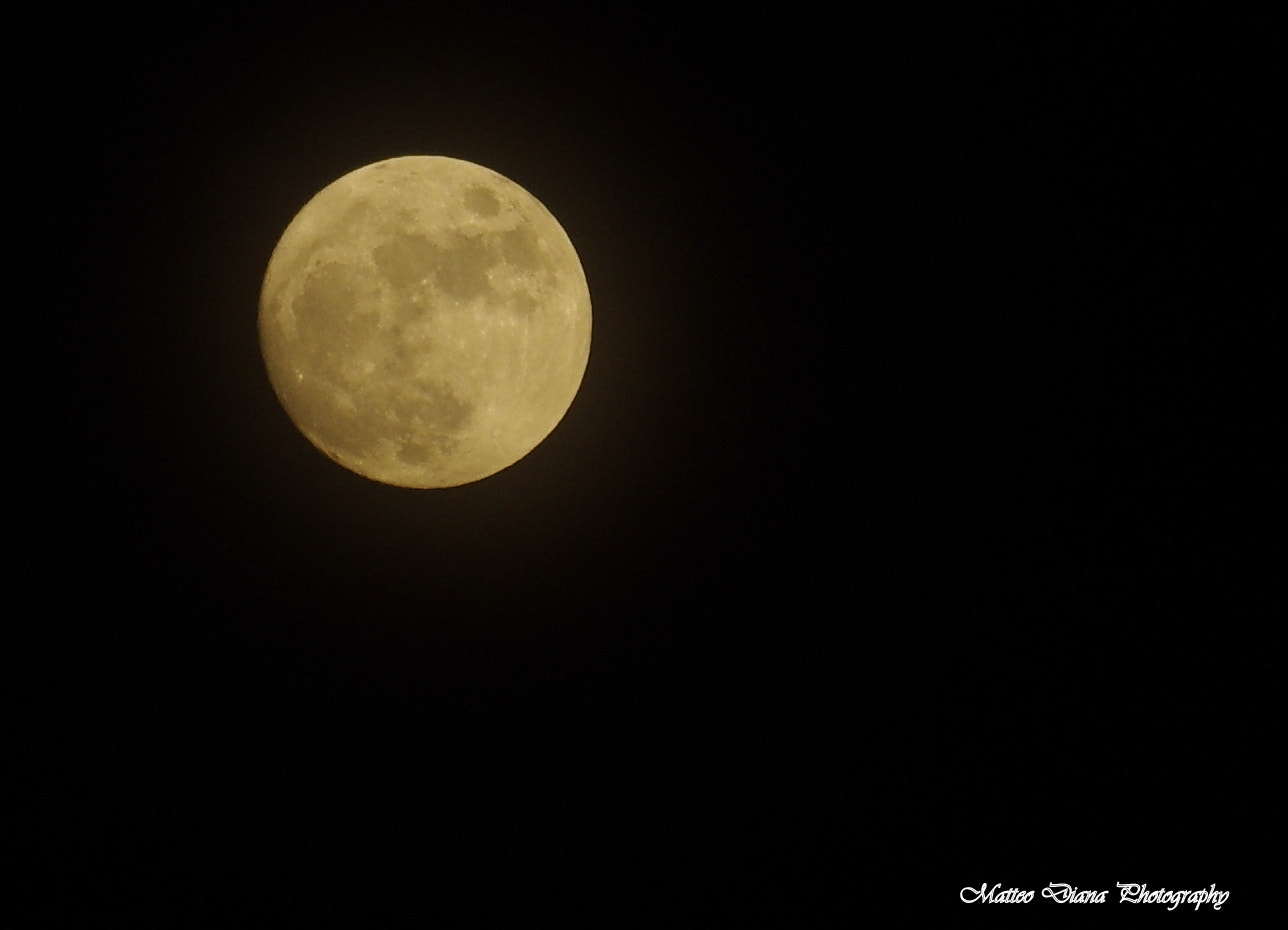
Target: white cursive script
992 896
1061 893
1140 894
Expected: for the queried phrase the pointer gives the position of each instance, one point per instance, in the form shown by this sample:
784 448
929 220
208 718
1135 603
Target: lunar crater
482 201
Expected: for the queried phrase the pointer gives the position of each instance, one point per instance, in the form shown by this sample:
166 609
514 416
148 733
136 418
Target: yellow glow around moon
425 321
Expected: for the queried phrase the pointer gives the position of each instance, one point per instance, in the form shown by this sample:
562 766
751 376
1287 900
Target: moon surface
425 321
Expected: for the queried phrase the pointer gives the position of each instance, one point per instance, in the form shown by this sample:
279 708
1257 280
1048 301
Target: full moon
425 321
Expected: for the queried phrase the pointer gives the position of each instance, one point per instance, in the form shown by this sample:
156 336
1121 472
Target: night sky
888 543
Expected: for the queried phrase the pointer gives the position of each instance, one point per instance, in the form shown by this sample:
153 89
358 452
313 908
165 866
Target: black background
890 545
